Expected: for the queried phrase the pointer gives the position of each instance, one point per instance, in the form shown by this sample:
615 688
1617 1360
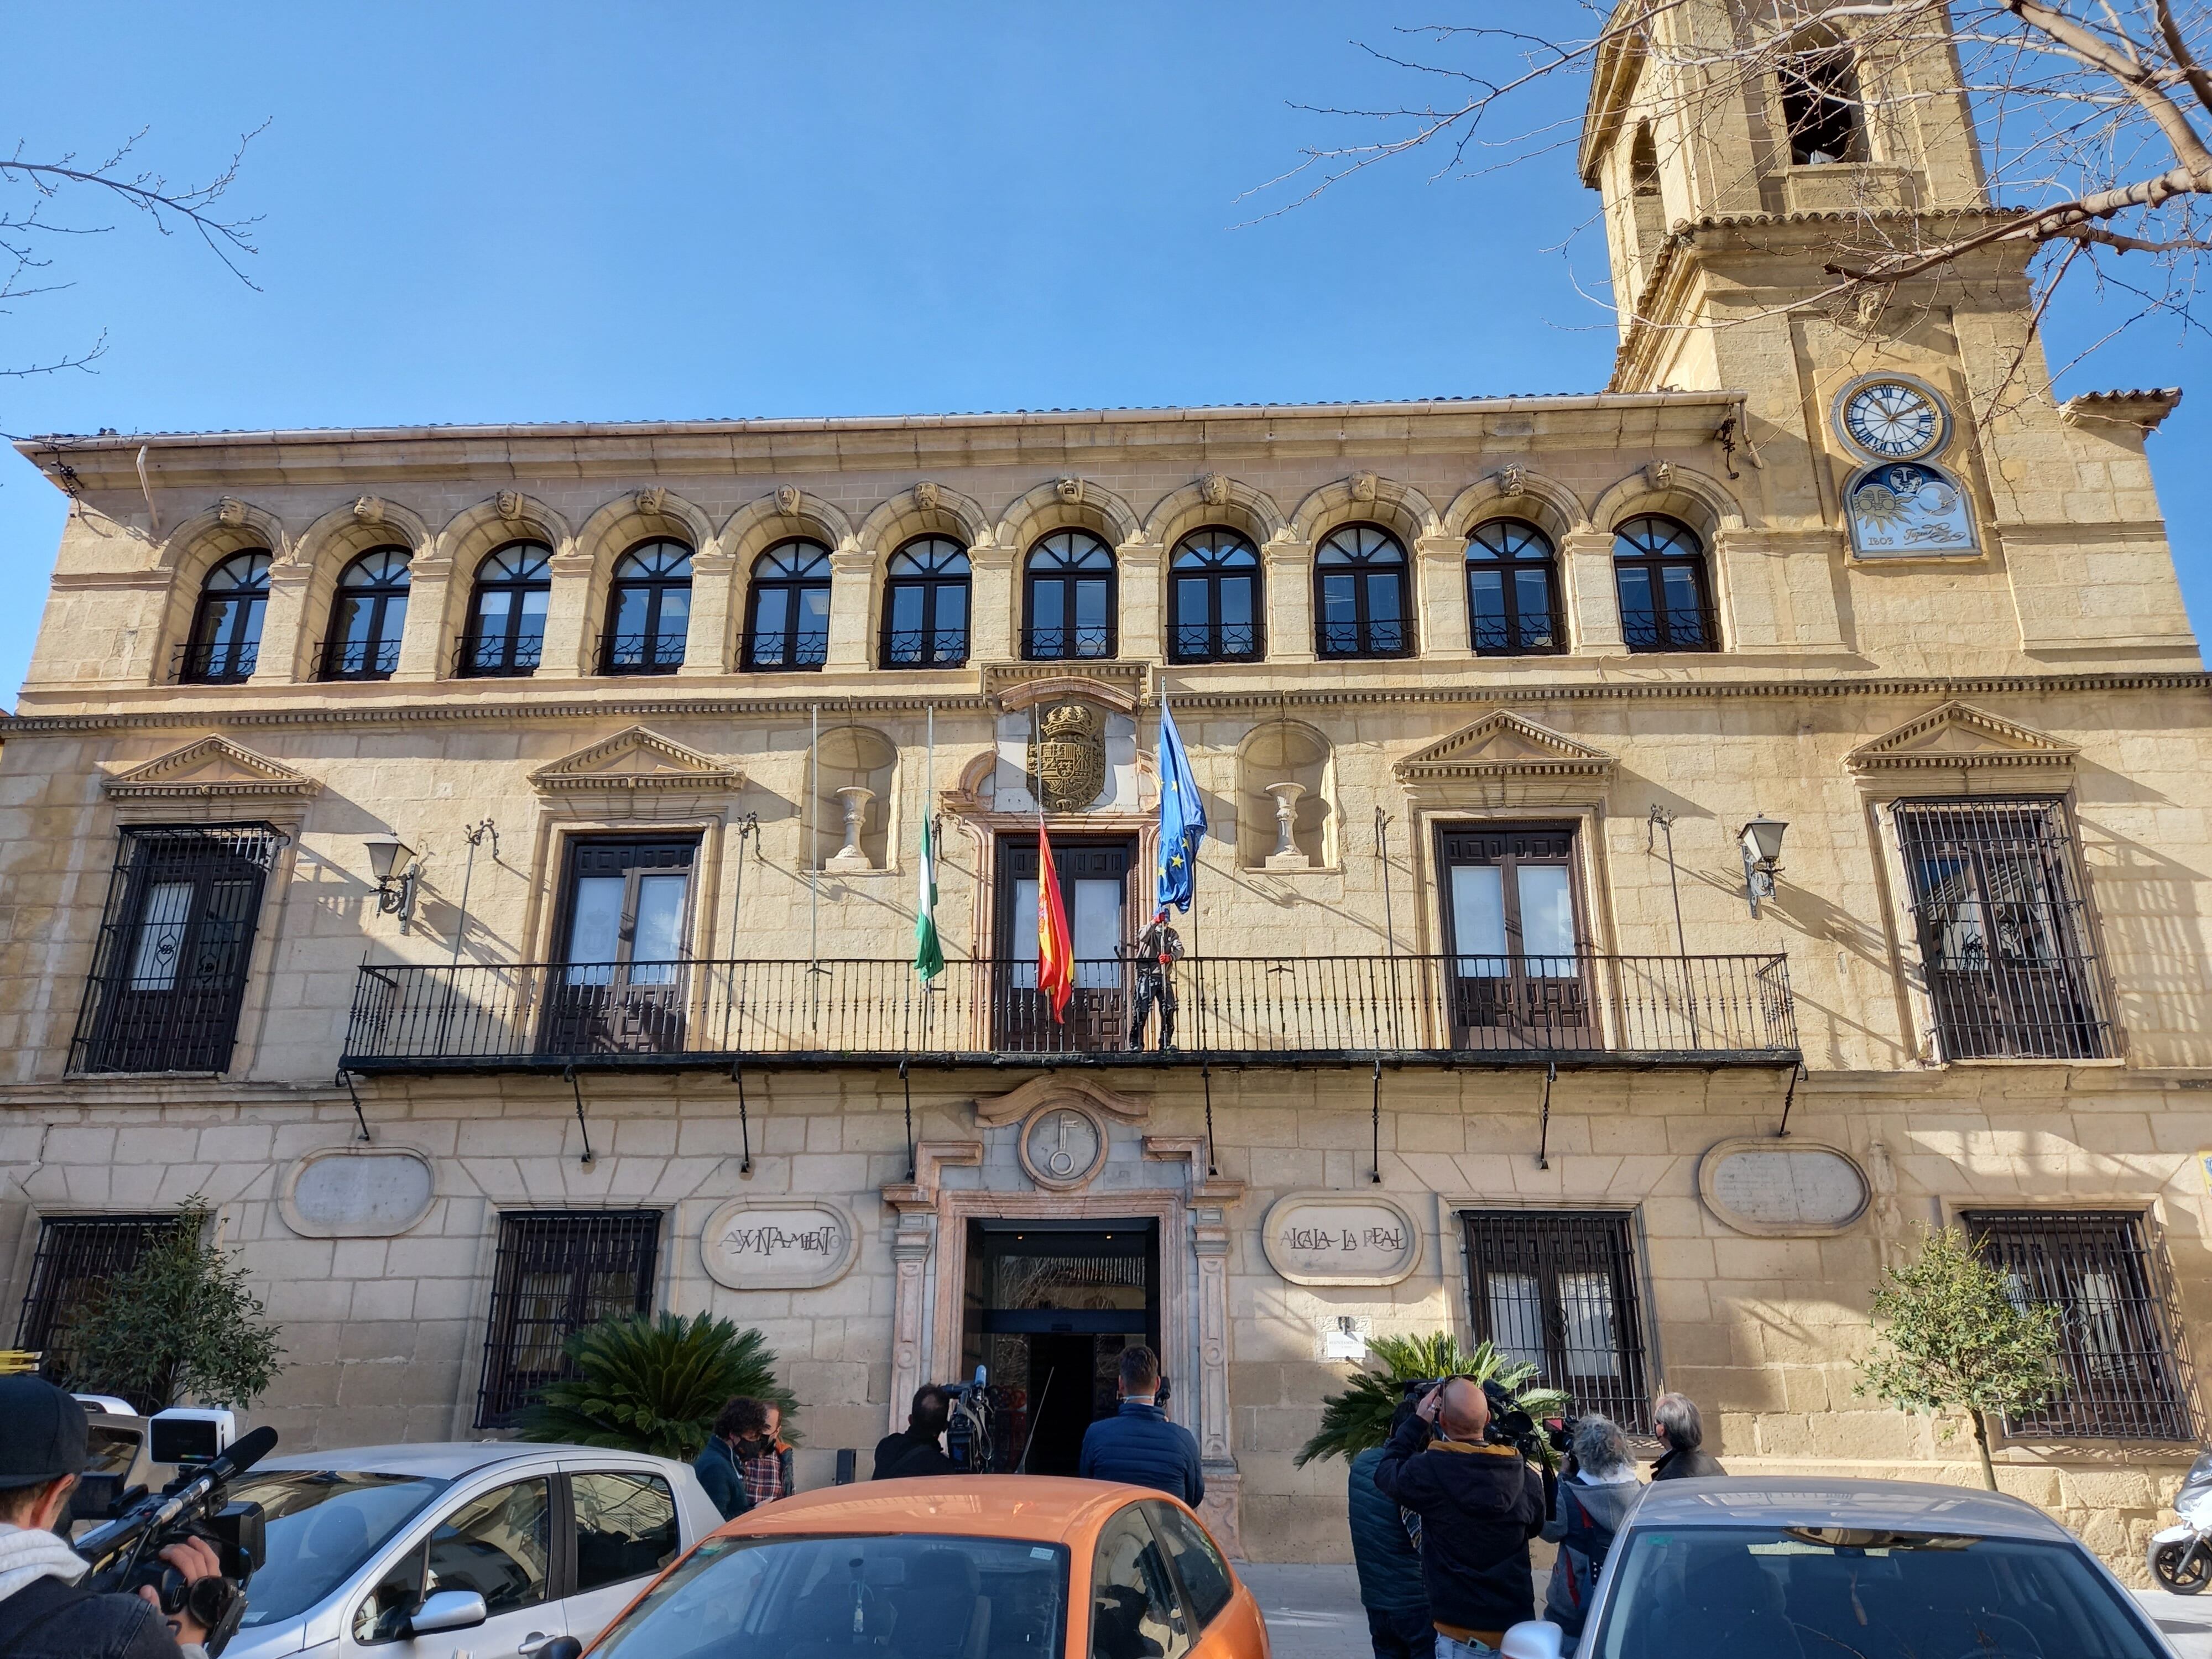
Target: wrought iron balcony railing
216 662
497 656
1584 1009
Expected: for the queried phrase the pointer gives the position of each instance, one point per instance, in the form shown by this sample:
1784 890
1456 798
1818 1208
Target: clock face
1893 420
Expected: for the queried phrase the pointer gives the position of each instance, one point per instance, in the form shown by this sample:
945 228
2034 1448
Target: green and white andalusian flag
928 952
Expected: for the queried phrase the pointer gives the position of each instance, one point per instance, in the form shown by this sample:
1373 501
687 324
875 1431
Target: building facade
1667 846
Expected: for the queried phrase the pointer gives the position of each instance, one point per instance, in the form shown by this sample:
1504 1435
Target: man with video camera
1480 1501
43 1615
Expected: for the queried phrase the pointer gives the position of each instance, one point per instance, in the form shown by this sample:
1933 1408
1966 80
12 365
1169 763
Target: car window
1691 1592
1205 1575
496 1545
1133 1611
625 1526
322 1525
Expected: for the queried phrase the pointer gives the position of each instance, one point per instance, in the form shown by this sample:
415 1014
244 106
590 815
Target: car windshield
1828 1593
323 1525
905 1597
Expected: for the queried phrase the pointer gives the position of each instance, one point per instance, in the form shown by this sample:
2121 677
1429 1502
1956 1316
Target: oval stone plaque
779 1243
1341 1238
1782 1189
357 1192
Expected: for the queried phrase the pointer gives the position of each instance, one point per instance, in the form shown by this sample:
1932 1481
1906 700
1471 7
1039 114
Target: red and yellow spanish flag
1056 952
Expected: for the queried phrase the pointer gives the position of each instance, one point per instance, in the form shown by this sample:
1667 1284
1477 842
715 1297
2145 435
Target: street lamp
391 861
1762 857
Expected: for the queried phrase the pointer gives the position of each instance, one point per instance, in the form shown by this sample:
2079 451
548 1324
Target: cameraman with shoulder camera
43 1615
913 1451
1480 1502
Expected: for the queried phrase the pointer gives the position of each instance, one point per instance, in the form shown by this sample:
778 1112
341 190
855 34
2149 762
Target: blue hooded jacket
1389 1566
1137 1444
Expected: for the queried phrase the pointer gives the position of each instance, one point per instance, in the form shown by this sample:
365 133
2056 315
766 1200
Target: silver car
491 1549
1786 1569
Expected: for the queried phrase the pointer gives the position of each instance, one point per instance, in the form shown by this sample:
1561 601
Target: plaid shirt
763 1476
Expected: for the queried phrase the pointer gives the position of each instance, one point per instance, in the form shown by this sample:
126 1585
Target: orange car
955 1567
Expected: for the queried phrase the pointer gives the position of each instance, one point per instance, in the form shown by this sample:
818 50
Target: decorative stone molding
1214 490
1504 760
211 769
1063 1145
507 503
1070 490
930 1158
2138 408
1363 487
771 1243
1958 745
368 509
1361 1238
928 494
995 1111
787 499
653 501
1015 686
1773 1188
636 759
356 1192
1659 475
1211 1197
230 513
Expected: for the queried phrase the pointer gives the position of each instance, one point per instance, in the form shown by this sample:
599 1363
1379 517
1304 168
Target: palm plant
655 1385
1360 1417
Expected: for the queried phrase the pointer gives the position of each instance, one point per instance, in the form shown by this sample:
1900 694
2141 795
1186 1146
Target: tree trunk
1982 1445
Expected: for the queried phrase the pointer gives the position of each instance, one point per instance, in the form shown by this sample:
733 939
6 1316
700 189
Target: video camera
1510 1425
125 1552
968 1429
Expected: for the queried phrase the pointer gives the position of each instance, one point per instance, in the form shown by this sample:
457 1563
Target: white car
1807 1569
492 1549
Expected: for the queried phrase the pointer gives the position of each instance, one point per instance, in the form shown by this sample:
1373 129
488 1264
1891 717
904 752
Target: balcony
1234 1011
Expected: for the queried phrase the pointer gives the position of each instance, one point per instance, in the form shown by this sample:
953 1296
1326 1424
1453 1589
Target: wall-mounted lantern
1762 857
391 861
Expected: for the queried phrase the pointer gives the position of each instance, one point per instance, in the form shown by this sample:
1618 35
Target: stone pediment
213 768
1057 1088
1015 686
1958 735
635 759
1503 745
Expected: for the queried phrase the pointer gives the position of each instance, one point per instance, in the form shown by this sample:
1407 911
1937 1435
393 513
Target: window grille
2002 916
2106 1271
168 975
1557 1289
77 1255
557 1272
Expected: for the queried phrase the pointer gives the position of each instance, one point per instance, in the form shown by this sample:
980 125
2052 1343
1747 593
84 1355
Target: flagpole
813 875
929 851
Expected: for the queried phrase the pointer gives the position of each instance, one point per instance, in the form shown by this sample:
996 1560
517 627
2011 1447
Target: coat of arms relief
1067 756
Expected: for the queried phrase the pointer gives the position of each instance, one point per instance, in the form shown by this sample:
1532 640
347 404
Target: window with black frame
787 610
649 609
2121 1346
2001 911
506 635
1666 595
1213 598
1068 598
76 1255
225 643
925 604
1360 595
558 1271
622 927
168 974
367 617
1557 1289
1513 590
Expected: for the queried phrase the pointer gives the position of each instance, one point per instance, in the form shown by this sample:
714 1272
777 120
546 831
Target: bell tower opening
1820 108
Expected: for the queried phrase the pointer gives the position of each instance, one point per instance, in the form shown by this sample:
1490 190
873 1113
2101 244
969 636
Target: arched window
507 611
1512 590
1214 598
1359 585
925 604
367 617
1068 598
787 616
226 638
1643 163
649 612
1659 570
1820 107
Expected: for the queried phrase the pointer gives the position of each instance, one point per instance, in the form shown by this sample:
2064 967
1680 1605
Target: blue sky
617 212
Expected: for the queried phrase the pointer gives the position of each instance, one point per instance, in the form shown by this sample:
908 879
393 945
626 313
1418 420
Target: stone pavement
1313 1612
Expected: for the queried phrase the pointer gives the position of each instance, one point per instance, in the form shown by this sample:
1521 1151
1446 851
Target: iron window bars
1558 1288
2001 913
1665 590
2107 1272
168 973
77 1255
557 1272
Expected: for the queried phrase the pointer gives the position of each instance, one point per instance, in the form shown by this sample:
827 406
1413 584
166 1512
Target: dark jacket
1389 1566
1479 1506
909 1453
1137 1444
1583 1526
1686 1463
717 1470
76 1625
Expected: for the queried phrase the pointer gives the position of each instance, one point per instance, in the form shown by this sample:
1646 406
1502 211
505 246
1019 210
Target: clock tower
1903 429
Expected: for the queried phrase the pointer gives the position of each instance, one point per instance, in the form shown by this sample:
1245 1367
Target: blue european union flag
1183 817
